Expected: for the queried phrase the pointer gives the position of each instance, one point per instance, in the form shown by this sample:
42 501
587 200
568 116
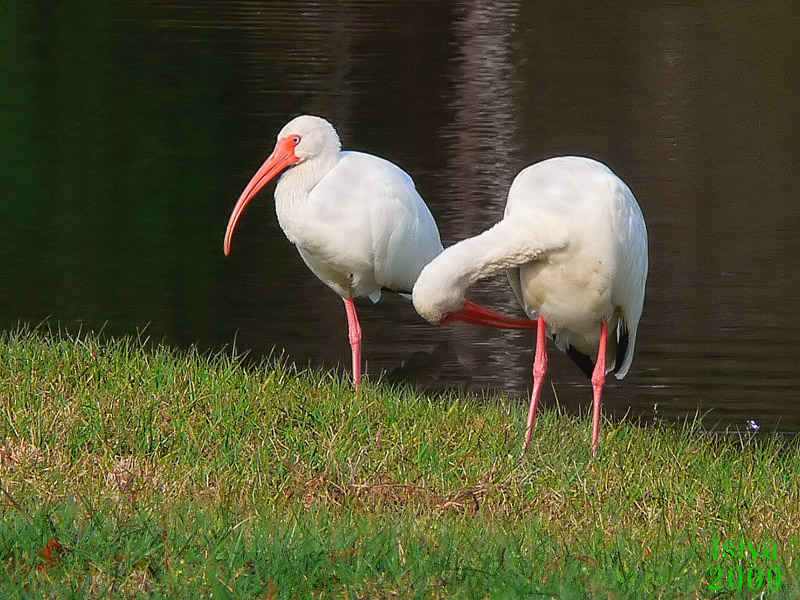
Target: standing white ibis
356 219
574 246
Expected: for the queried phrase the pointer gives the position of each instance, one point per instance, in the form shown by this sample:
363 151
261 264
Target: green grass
134 470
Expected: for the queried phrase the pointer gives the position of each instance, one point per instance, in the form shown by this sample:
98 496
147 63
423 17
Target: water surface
129 131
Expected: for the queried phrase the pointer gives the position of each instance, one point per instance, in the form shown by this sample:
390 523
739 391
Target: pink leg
598 379
539 369
354 333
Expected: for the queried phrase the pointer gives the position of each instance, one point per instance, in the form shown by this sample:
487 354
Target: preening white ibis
356 219
573 243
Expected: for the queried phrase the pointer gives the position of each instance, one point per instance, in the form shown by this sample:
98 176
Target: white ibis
574 246
356 219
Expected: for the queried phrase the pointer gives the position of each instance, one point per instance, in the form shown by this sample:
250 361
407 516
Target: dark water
128 130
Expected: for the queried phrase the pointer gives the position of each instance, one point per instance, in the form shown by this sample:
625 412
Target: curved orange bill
282 157
474 313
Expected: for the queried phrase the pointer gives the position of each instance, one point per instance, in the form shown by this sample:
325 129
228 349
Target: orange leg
598 380
354 333
539 370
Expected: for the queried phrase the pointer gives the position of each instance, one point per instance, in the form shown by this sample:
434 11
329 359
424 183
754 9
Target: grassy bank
129 470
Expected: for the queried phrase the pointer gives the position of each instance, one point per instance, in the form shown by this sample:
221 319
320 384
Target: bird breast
572 296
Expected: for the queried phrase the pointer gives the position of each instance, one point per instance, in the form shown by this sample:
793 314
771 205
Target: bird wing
405 237
381 228
629 287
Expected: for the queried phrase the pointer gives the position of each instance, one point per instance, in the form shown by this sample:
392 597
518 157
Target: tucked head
439 298
436 299
303 139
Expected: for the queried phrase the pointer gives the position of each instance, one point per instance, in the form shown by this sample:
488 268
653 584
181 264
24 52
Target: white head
439 296
309 137
434 297
303 140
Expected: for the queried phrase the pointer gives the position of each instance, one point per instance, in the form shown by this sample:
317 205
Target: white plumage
574 245
356 219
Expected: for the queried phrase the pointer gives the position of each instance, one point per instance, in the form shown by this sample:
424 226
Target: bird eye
447 318
296 140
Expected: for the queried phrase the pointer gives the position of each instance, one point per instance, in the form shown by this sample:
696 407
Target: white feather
574 245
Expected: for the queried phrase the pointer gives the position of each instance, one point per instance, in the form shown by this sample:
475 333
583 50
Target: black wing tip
584 362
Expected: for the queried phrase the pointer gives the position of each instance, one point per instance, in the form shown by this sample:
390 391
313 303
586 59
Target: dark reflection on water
130 129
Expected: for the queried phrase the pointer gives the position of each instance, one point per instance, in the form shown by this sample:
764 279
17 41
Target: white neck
493 251
442 284
299 180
